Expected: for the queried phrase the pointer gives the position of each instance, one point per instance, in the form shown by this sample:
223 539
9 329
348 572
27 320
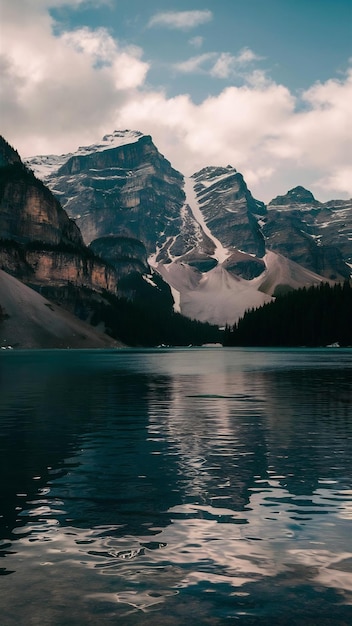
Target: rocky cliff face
125 254
59 268
311 233
39 243
120 188
29 211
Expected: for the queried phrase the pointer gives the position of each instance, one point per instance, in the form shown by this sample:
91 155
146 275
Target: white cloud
59 92
246 55
339 181
96 44
225 65
196 42
181 20
321 133
102 50
227 128
195 64
261 130
257 78
228 65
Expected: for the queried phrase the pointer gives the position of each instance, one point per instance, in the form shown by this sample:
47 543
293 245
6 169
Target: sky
262 85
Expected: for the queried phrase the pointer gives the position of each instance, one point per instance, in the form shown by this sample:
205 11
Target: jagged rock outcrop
297 195
229 209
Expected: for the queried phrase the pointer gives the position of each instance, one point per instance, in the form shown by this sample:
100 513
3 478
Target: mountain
220 250
314 234
109 283
121 186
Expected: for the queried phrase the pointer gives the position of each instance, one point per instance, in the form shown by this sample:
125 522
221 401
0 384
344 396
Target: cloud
340 180
127 70
181 20
65 90
227 128
59 90
195 64
196 42
262 130
228 65
224 66
246 55
96 44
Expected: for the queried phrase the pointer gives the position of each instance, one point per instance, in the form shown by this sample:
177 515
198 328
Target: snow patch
177 299
45 165
149 280
117 139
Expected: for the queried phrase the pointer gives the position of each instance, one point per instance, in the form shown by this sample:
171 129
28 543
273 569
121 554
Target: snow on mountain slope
115 140
43 166
220 253
219 297
215 296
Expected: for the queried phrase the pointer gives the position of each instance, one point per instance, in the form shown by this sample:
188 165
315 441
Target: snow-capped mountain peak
44 166
115 140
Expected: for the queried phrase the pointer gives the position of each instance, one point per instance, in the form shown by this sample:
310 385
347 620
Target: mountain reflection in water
155 486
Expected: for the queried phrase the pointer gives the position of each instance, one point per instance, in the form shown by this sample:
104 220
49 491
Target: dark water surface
159 487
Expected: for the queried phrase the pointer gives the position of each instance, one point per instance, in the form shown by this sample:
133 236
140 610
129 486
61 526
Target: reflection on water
153 487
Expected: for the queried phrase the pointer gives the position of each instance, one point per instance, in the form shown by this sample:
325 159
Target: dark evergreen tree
149 322
317 316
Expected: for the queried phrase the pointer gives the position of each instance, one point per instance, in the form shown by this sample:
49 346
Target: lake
158 487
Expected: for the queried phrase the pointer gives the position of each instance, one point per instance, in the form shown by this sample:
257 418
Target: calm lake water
156 487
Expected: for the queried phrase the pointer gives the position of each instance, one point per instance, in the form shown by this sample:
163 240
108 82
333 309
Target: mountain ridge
201 222
122 187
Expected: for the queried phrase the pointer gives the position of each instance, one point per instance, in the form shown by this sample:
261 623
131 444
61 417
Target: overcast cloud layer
60 90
